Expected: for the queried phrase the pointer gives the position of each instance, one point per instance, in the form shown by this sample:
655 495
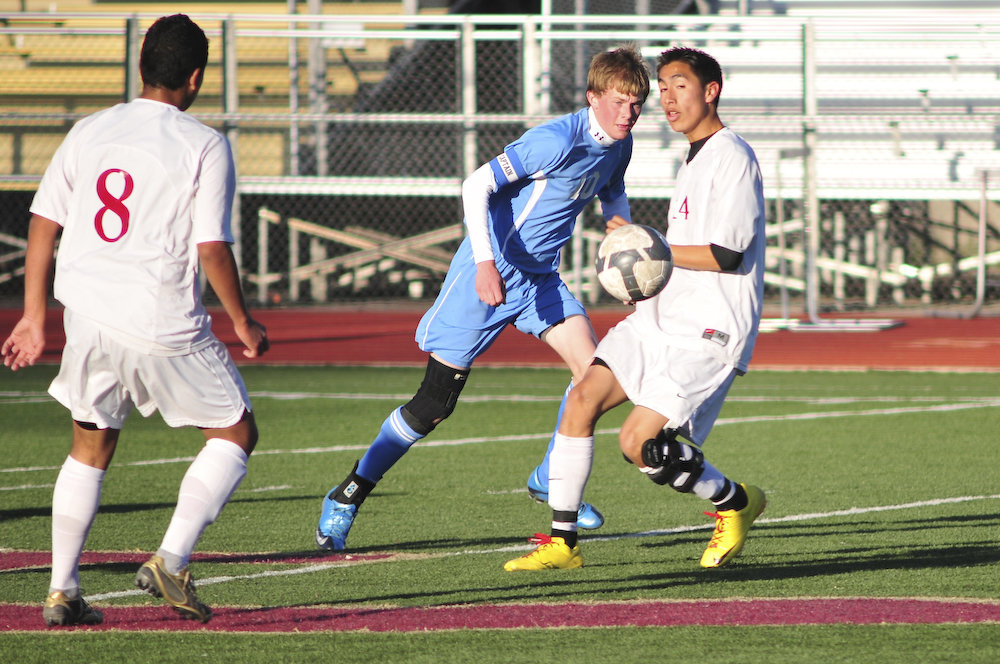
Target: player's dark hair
173 48
704 66
622 69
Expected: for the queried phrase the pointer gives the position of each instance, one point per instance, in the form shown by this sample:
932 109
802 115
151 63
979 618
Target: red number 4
112 204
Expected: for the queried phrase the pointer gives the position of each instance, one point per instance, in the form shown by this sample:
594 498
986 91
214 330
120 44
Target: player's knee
252 434
243 434
631 444
437 397
672 462
582 409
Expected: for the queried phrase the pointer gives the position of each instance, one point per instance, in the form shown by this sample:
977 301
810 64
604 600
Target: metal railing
871 133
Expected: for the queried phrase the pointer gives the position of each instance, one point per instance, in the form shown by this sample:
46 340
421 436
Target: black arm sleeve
727 259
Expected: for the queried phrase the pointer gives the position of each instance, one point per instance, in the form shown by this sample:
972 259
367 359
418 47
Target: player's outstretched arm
695 257
27 340
220 269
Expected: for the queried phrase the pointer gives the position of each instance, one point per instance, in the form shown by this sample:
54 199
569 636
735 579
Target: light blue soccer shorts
459 327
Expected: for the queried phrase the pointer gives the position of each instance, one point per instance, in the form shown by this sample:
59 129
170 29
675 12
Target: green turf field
880 485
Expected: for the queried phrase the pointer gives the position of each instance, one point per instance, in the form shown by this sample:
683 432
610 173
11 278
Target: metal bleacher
901 101
912 113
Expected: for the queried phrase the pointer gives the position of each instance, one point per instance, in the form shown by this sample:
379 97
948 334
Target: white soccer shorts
100 381
686 387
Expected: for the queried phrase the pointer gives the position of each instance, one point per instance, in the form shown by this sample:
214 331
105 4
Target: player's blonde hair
622 69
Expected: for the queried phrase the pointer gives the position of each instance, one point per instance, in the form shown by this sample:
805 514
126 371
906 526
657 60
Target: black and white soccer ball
634 262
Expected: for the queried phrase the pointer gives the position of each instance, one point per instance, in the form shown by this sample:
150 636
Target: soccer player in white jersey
141 192
677 354
520 209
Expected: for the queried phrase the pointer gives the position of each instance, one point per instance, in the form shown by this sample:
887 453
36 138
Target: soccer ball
634 263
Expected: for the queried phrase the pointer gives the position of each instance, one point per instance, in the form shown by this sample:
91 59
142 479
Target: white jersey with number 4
718 199
136 188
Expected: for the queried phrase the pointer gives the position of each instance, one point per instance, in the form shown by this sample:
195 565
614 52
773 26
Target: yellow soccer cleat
552 553
731 528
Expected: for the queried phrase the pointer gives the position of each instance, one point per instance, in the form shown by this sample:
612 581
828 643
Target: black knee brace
680 465
436 398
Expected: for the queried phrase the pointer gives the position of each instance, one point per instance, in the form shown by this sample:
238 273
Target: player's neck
707 127
598 132
180 98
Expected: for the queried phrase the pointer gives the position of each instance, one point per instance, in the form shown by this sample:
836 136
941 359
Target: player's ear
196 79
712 90
592 98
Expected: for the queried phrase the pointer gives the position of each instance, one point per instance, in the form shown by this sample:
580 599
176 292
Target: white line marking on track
309 569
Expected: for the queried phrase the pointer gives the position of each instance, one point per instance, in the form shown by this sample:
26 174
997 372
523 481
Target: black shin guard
353 490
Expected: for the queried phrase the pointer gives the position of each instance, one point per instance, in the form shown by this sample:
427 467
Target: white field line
309 569
18 398
967 404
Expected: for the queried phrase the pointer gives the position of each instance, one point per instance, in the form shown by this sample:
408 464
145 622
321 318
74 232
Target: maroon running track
847 611
385 337
852 611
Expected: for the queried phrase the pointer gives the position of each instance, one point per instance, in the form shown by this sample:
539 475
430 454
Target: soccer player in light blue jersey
520 209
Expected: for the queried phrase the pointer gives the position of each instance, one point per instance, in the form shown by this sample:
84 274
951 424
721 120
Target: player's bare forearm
222 274
695 257
42 234
692 257
27 340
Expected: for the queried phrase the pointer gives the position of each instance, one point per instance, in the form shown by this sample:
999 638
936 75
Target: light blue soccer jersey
545 179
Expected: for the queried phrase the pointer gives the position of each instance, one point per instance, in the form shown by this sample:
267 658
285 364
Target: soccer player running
141 192
520 209
677 354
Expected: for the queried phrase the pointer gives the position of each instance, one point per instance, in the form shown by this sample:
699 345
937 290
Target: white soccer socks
206 488
75 500
569 468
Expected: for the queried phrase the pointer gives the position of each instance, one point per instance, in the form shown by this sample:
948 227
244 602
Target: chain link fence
354 129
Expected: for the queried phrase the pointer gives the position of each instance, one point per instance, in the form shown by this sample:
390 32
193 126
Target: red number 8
115 205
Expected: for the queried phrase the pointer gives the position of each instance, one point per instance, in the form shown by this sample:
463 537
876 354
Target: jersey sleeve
476 192
52 199
538 150
613 198
735 186
212 207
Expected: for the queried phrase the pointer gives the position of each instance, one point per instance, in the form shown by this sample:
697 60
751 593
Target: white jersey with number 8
133 212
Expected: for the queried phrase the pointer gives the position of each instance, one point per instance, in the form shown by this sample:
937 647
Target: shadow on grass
603 575
45 510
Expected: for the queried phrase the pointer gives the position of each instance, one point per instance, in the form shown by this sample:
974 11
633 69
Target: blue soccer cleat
334 524
588 518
